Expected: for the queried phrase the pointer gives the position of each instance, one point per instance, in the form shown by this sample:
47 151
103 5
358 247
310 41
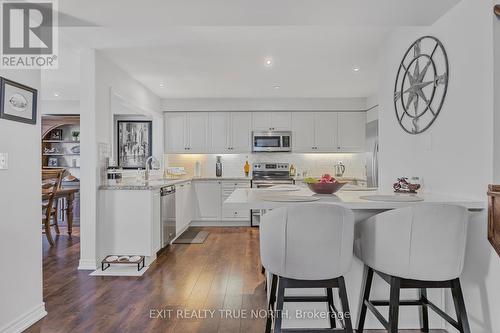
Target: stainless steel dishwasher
167 215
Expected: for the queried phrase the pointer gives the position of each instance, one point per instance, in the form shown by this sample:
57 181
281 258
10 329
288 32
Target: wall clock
421 84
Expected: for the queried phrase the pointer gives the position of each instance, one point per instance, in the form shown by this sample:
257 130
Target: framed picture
134 143
56 134
52 162
17 102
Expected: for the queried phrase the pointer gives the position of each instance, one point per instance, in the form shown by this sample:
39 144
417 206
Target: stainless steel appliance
272 141
167 194
266 175
372 153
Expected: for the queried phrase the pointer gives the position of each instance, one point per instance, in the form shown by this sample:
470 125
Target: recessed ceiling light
276 87
162 84
268 62
56 94
356 69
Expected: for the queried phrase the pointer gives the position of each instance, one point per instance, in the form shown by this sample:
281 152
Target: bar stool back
420 247
308 246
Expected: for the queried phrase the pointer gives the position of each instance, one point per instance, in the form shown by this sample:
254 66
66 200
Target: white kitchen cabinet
314 132
303 139
197 132
186 132
240 132
181 202
272 121
207 203
219 128
326 132
175 132
228 187
351 130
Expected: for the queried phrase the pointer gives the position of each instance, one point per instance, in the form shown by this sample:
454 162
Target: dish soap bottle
218 167
292 170
246 168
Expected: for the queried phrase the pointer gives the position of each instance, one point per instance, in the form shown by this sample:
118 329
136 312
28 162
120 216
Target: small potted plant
75 135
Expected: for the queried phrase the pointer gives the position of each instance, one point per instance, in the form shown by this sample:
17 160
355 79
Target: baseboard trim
220 223
87 265
25 320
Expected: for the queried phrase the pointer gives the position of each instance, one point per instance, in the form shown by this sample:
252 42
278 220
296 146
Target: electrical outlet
4 161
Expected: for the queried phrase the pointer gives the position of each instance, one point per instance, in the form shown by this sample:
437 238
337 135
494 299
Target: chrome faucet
151 159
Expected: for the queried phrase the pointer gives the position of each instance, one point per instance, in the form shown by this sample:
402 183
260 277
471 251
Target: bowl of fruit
325 185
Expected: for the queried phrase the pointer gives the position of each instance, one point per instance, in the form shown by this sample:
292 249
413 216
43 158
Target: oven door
255 214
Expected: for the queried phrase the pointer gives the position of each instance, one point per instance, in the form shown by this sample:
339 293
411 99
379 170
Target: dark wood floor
222 273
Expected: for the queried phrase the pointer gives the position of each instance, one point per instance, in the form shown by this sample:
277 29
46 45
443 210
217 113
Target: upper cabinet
328 132
231 132
272 121
186 132
352 127
175 132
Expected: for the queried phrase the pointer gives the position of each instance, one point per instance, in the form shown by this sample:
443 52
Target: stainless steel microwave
272 141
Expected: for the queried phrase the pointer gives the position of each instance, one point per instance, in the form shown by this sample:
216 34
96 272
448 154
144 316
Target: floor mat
192 236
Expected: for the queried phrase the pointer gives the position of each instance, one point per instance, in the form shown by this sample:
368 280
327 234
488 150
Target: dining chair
308 246
56 175
49 188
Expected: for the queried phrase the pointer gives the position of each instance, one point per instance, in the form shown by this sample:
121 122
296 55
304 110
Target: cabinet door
175 132
262 121
208 200
188 204
219 132
303 132
179 209
281 121
326 127
156 223
241 132
352 126
197 132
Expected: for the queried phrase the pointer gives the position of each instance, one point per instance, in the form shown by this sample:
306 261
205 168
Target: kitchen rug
192 236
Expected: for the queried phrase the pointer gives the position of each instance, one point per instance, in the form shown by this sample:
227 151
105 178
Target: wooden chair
55 175
49 188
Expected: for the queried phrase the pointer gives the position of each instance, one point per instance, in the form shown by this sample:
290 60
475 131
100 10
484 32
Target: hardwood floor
222 273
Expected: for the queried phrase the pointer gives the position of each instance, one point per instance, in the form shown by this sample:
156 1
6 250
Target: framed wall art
134 143
17 102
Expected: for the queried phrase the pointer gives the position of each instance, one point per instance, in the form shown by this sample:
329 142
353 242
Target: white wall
264 104
102 84
60 107
455 155
21 302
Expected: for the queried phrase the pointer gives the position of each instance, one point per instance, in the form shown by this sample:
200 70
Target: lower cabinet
228 187
209 197
183 206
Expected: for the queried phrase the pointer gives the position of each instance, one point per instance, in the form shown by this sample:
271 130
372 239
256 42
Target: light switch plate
4 161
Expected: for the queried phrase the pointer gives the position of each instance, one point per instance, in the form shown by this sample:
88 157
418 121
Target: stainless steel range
267 175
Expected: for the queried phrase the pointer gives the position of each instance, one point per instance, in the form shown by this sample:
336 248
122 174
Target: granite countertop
156 184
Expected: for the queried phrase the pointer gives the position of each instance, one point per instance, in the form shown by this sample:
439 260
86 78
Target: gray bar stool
416 247
308 246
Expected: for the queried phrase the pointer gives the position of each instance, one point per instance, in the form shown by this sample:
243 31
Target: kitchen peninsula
258 199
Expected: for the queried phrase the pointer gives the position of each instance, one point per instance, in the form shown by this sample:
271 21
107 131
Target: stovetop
271 171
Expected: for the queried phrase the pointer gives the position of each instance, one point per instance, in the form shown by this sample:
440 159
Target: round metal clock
421 84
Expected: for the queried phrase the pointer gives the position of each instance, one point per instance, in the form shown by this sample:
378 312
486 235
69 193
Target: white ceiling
216 48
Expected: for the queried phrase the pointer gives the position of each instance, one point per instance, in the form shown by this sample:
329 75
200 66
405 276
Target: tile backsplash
313 164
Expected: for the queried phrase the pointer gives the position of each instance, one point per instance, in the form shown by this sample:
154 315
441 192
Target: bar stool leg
424 312
279 305
272 300
458 299
394 304
366 297
331 313
345 305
